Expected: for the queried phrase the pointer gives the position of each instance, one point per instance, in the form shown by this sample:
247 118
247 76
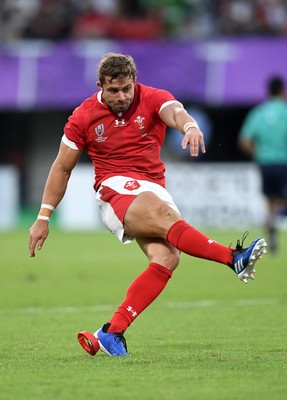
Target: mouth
121 106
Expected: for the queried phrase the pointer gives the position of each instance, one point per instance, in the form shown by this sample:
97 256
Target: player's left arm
175 116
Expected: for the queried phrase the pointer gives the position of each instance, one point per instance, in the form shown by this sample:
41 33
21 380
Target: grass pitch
207 337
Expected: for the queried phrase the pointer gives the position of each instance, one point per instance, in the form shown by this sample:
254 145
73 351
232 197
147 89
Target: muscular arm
54 191
59 175
175 116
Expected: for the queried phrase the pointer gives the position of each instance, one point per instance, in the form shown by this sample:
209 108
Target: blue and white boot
113 344
244 259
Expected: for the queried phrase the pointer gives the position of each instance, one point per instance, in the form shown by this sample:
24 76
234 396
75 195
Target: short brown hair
116 65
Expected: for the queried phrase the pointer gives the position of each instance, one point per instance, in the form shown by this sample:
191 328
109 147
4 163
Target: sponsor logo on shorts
132 185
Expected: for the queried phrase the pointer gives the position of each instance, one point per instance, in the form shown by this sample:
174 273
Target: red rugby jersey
128 144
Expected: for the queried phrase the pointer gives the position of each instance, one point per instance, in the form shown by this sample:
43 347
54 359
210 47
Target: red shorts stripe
119 202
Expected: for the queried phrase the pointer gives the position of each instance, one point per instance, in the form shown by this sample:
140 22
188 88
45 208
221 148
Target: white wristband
48 206
189 125
43 217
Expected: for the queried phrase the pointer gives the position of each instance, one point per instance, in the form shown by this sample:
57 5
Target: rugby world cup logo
100 129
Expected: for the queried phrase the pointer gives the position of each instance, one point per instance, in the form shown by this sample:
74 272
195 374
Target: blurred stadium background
213 55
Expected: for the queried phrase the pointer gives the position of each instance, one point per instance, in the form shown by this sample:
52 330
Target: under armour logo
120 122
132 312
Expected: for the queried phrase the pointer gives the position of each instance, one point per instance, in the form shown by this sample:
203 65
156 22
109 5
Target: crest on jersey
139 120
100 129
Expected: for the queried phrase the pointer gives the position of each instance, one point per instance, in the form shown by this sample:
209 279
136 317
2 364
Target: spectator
51 21
15 15
183 19
263 137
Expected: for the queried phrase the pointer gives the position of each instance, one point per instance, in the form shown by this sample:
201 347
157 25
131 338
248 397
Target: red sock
141 293
190 241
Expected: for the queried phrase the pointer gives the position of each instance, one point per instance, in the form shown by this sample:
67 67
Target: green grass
208 336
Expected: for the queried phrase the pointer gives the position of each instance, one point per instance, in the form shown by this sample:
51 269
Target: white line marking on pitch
109 307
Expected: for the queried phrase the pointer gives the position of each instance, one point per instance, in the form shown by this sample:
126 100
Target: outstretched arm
54 191
176 116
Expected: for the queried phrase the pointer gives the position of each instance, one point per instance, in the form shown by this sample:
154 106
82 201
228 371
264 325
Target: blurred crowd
140 19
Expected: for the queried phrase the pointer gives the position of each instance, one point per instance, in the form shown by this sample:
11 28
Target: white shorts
114 196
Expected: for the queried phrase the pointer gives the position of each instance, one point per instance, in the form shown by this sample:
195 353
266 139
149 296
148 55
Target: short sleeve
158 98
250 124
74 130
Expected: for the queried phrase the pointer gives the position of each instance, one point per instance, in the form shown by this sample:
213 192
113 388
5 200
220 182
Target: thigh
131 208
159 251
149 216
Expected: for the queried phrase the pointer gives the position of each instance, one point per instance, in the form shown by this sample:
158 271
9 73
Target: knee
171 260
166 213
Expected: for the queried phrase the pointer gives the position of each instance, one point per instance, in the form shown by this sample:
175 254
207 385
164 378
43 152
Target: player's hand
193 137
38 234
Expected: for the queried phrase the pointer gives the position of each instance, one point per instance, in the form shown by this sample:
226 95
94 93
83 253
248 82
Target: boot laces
119 337
239 246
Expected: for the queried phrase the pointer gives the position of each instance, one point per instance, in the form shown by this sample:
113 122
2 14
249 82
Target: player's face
118 93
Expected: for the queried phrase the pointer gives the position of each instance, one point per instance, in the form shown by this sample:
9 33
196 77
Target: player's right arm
247 146
54 191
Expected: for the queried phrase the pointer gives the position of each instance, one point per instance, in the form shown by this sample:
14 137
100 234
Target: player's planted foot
244 259
113 344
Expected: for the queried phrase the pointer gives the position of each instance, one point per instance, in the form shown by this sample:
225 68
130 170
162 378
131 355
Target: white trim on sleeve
167 103
69 143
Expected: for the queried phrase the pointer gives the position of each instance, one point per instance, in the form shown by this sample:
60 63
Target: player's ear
99 85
